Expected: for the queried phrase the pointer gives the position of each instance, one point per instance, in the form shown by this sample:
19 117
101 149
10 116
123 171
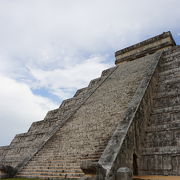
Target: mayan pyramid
128 117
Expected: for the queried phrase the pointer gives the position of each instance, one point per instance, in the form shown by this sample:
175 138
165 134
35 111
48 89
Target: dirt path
158 177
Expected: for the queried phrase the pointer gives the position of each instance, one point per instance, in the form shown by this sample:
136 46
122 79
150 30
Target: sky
51 48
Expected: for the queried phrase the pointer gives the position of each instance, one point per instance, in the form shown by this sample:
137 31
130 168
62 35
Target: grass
21 179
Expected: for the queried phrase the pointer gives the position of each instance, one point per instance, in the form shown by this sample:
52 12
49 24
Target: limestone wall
3 150
150 144
160 154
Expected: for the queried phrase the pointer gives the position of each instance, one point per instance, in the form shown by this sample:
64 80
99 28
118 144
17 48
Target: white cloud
61 45
19 108
72 77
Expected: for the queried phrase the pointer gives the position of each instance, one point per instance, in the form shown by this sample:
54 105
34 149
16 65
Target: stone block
124 173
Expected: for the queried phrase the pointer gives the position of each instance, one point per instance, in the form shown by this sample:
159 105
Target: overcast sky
51 48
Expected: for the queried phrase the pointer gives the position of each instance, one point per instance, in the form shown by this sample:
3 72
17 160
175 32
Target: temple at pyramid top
149 46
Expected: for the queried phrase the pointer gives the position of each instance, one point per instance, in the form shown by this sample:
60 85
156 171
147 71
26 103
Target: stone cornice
149 46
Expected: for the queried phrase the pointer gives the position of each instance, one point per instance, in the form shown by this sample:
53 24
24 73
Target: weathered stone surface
150 46
161 149
7 171
128 117
126 140
124 173
2 174
93 170
85 135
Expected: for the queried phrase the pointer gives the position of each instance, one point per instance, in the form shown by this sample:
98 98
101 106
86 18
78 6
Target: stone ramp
161 151
85 135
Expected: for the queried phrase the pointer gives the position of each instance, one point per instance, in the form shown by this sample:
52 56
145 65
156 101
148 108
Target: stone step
170 81
170 65
66 111
72 101
42 126
52 113
165 59
62 170
172 52
164 127
174 61
57 150
95 82
163 119
56 161
169 74
165 94
161 150
60 164
51 156
48 176
55 164
58 155
69 160
81 91
52 167
98 146
107 72
52 119
171 109
168 85
54 151
61 161
25 139
47 158
167 101
51 172
156 142
98 142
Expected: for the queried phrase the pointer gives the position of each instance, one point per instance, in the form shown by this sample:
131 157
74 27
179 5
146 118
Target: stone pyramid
129 117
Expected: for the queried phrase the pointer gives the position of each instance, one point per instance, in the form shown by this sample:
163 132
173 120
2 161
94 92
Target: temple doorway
135 166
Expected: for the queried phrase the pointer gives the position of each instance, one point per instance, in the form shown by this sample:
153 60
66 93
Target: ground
157 177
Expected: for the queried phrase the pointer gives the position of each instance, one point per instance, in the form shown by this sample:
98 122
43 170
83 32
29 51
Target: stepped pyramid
128 117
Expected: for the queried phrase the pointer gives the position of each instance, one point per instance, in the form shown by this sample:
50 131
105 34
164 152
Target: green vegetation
20 179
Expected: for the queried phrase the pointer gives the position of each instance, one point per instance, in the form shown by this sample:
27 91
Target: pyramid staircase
38 133
48 162
129 117
80 139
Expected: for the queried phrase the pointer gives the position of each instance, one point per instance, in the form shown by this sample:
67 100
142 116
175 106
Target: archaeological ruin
126 121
